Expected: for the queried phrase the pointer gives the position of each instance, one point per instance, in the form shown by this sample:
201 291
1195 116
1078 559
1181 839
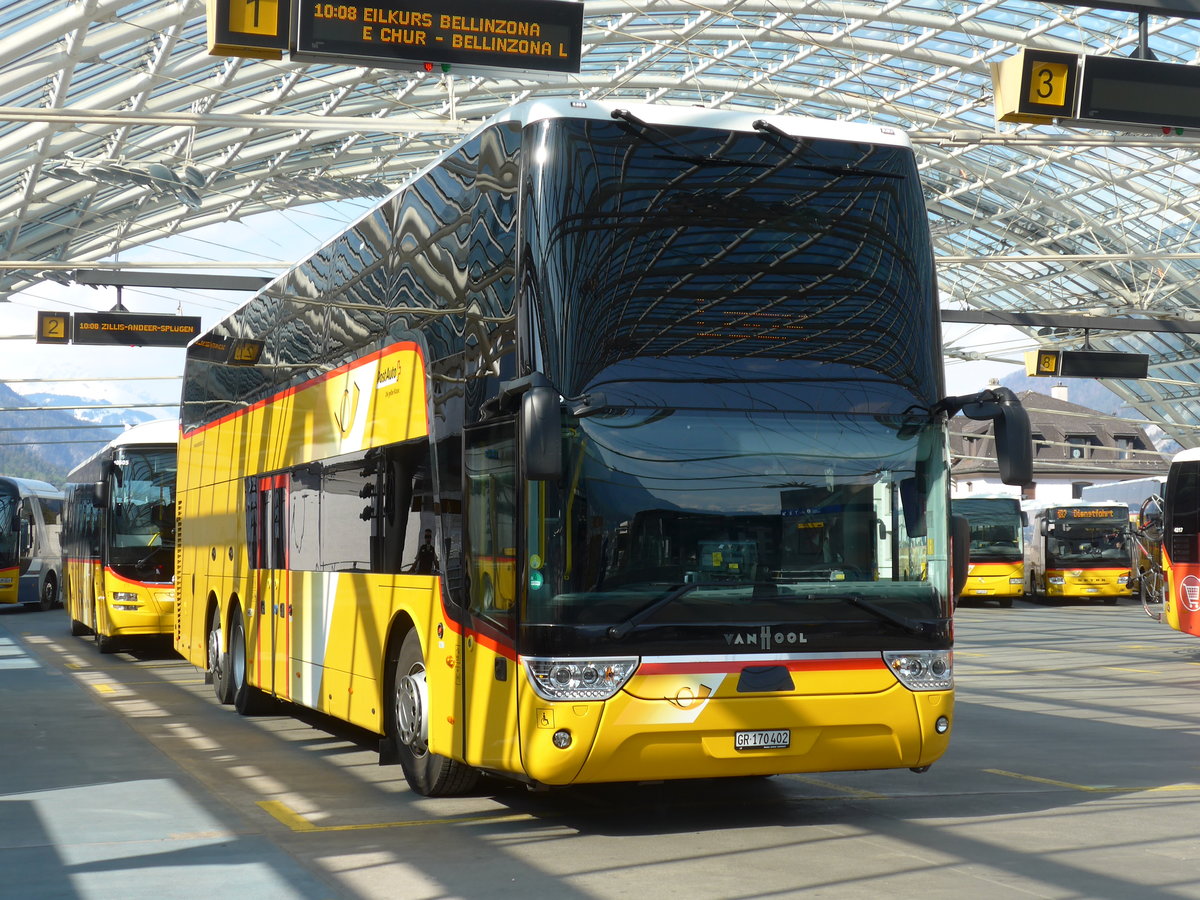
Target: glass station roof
117 129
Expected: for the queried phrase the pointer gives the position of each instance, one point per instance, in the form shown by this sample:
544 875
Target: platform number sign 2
54 327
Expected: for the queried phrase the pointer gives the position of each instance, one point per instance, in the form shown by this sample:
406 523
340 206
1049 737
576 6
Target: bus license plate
762 740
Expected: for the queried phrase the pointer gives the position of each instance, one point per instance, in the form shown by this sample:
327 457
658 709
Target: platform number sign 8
1048 83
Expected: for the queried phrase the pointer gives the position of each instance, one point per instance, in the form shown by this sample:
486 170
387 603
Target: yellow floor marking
105 688
296 822
1108 789
1131 669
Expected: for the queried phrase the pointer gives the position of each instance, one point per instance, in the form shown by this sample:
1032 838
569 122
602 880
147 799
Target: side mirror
1014 436
541 433
100 495
960 548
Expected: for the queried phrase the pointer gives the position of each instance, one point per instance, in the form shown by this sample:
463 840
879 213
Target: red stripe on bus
371 357
793 665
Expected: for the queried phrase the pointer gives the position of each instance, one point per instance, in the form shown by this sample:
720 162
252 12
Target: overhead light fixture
157 177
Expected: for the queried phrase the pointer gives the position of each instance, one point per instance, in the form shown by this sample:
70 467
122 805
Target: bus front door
269 630
489 655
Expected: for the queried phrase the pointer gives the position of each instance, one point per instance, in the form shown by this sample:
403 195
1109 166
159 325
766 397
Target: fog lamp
562 739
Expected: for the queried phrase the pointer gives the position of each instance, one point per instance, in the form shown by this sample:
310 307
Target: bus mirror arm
1010 422
511 391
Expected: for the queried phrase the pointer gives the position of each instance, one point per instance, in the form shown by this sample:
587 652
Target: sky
124 375
140 375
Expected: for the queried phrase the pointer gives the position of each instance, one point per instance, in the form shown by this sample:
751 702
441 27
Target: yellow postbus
611 447
1080 551
119 538
997 567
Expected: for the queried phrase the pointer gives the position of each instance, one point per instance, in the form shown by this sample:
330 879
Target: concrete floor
1074 771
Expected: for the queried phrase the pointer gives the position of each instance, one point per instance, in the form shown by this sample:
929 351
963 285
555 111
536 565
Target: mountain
47 443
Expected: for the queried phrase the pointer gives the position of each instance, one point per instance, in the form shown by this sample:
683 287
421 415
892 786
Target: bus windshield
762 516
142 527
1087 541
996 528
10 535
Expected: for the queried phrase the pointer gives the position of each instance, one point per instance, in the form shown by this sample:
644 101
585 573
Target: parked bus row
611 447
1072 550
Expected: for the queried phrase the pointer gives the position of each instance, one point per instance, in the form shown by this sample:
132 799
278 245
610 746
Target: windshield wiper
618 631
680 152
858 601
915 627
763 127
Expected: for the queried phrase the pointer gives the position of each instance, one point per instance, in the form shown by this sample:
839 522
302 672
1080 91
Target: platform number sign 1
257 29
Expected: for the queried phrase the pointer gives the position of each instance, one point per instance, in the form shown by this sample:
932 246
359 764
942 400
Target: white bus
30 553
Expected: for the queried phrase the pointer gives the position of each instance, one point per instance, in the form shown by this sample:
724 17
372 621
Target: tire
247 699
218 661
1006 602
408 726
104 643
49 598
78 629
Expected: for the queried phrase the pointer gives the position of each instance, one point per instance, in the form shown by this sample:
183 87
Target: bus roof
160 432
31 487
547 108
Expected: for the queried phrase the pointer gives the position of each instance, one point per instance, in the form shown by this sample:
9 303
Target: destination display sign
533 35
1121 513
134 329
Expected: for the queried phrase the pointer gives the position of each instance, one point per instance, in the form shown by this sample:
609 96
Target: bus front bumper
632 739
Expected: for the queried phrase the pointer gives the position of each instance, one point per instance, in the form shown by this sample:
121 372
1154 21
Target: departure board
531 35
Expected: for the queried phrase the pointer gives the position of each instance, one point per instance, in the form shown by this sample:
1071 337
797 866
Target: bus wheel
49 598
247 699
78 629
426 773
218 662
1006 602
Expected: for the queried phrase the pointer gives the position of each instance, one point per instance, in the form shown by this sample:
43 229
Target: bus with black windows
119 538
665 387
997 566
30 552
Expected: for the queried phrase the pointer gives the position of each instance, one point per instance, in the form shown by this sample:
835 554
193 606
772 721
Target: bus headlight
1016 581
922 670
578 679
1122 579
125 600
1056 579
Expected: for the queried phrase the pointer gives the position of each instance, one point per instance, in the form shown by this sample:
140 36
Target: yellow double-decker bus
119 537
997 566
1080 551
611 447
